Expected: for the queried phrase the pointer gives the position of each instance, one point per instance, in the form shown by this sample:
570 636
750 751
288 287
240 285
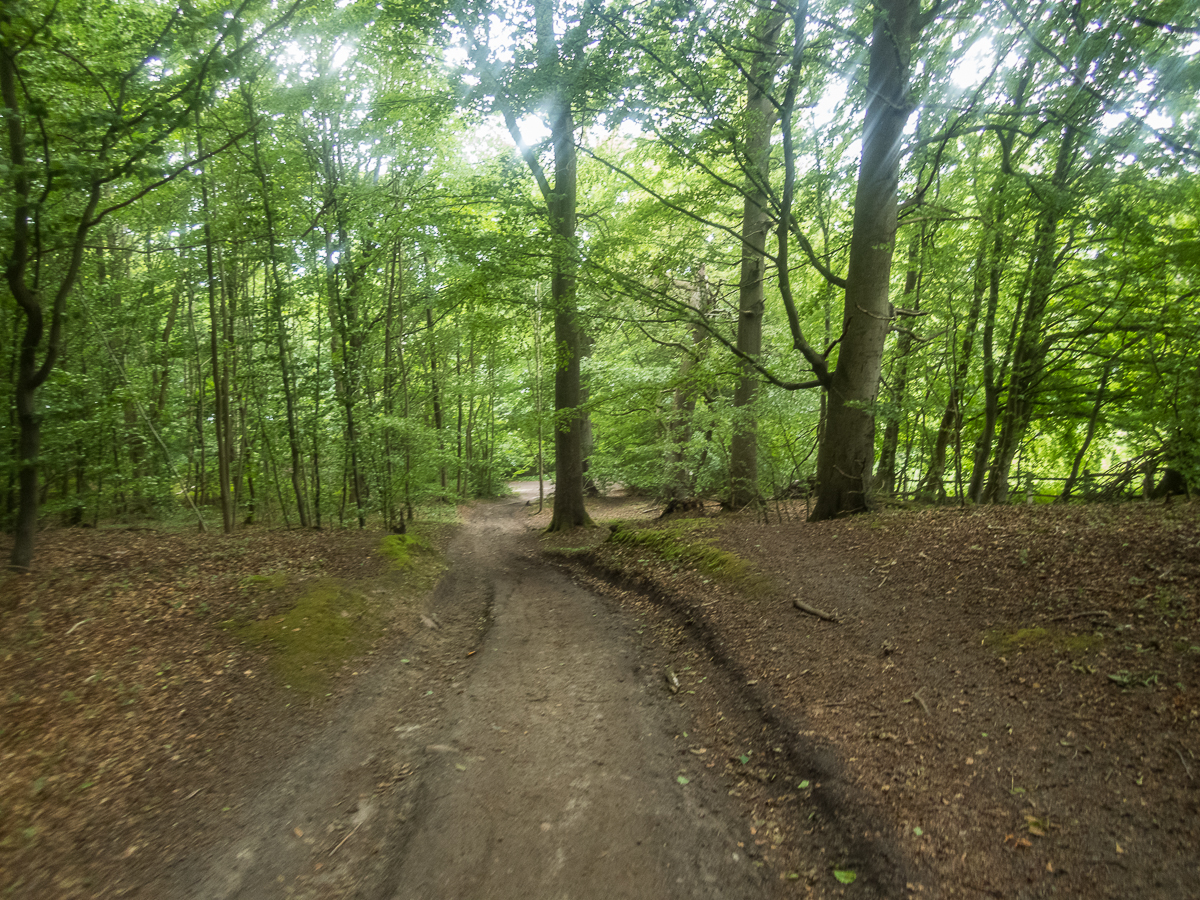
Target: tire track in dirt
842 826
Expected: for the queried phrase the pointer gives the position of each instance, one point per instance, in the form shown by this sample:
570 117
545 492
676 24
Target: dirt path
520 749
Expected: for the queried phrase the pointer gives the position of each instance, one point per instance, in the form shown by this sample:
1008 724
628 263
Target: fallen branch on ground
813 611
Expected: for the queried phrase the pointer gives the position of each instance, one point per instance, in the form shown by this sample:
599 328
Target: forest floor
1007 705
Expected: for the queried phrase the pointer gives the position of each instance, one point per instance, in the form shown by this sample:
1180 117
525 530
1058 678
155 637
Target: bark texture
846 455
756 223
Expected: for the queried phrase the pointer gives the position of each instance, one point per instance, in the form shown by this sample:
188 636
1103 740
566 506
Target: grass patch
331 622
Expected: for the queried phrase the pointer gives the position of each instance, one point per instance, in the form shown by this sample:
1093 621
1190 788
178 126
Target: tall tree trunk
991 378
344 283
36 338
393 364
435 396
570 510
316 429
459 483
847 452
680 483
1091 433
197 462
276 290
10 487
932 484
217 350
537 395
163 372
760 120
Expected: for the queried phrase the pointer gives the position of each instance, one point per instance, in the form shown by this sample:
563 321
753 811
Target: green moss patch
1006 642
675 543
272 581
309 633
328 625
404 549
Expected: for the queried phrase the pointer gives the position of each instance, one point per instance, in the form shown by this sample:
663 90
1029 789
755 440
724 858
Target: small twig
77 624
813 611
917 696
1184 761
1080 615
346 838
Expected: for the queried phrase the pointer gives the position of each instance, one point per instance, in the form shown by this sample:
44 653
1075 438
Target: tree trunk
847 451
345 285
276 290
991 380
217 350
1029 355
680 483
537 395
436 398
569 508
756 222
393 359
932 484
163 372
891 430
1091 433
36 338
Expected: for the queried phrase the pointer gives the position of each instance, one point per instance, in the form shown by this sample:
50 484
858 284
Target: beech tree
559 62
846 459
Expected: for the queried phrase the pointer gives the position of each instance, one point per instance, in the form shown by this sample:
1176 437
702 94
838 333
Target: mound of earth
1006 704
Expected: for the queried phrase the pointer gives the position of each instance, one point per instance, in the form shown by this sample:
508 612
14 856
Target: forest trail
1008 707
521 749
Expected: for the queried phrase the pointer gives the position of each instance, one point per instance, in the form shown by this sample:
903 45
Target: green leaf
803 785
845 876
682 779
744 758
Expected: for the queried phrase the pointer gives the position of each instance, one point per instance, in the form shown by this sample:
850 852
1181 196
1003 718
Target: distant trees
93 96
287 267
